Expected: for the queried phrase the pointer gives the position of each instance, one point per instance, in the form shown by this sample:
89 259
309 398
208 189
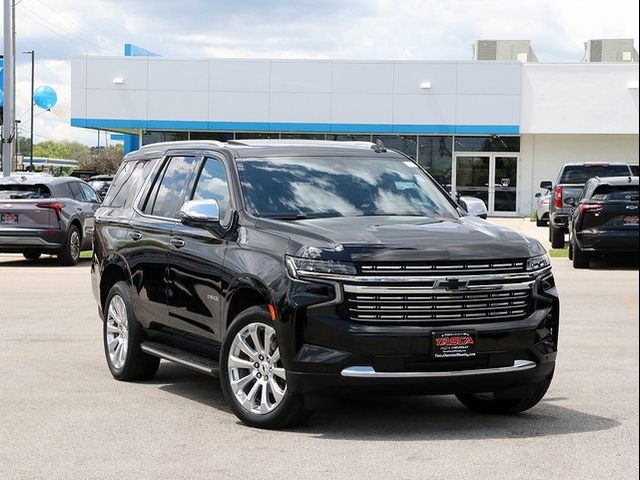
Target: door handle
135 236
177 242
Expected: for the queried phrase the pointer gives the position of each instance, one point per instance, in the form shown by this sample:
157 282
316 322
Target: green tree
62 149
103 160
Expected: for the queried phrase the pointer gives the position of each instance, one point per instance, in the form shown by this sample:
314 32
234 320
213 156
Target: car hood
394 238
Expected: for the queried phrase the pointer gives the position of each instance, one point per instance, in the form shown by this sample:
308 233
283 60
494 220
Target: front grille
440 268
423 306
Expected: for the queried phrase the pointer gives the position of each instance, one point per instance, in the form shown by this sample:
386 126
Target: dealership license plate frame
4 218
454 344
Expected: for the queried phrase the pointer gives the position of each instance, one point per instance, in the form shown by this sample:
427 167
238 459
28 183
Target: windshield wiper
289 217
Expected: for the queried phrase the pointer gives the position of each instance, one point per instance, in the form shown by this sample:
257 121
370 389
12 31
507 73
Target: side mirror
201 213
546 185
473 206
538 195
571 201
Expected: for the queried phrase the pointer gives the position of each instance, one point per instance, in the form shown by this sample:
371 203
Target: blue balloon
45 97
1 98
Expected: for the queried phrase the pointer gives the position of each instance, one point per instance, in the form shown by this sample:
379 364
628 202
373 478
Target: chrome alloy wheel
75 245
117 331
256 375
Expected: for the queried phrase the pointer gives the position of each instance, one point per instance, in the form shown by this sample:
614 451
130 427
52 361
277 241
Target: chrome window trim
370 372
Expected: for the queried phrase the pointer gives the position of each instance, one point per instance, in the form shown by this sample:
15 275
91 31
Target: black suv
297 268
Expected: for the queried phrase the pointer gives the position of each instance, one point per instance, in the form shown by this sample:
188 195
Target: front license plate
8 219
452 345
631 220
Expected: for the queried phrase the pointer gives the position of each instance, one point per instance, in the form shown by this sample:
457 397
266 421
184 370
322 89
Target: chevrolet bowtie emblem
454 284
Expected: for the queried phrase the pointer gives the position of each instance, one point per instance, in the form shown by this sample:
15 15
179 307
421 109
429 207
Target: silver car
542 208
43 214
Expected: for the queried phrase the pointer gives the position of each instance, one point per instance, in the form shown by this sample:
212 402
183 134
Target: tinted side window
76 192
172 187
213 185
89 193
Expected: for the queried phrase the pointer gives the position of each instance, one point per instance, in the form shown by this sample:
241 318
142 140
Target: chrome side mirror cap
473 206
200 213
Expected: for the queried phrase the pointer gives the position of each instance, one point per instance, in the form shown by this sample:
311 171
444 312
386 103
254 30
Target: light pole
33 69
8 111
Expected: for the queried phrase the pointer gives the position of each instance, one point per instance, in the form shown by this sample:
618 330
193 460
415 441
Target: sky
341 29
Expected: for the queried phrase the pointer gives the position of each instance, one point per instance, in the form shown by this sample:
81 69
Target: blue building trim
107 124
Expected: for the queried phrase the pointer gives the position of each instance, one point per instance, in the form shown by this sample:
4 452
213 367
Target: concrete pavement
64 416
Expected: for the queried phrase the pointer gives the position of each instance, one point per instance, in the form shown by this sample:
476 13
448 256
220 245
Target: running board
202 364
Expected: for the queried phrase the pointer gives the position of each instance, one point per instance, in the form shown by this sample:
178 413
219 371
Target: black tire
69 254
557 237
495 405
580 259
539 222
291 411
137 364
32 255
570 253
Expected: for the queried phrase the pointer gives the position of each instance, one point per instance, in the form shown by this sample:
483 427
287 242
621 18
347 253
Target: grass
559 252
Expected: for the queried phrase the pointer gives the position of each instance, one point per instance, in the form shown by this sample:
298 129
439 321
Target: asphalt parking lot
63 416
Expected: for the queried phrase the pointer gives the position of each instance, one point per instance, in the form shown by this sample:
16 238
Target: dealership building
489 128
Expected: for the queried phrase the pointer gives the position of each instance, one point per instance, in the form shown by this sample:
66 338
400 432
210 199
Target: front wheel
497 404
253 379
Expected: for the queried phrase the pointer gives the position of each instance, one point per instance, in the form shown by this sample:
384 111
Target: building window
256 136
487 144
155 137
219 136
434 154
406 144
349 138
303 136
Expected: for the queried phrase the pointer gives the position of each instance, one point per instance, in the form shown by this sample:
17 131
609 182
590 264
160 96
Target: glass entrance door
491 177
505 185
472 177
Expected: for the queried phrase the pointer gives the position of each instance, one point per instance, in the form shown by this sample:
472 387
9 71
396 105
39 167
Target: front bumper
324 352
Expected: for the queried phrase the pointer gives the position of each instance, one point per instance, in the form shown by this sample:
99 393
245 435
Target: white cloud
385 29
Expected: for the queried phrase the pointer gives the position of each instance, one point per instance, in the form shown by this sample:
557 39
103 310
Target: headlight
538 262
299 266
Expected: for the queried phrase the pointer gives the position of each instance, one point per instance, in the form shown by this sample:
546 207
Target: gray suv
42 214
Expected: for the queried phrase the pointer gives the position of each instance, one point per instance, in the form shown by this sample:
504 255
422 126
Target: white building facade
489 129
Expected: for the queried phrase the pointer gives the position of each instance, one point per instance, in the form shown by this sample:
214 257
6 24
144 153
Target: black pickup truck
295 268
569 183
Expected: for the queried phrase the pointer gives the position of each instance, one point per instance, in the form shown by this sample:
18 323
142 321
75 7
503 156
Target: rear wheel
253 379
32 255
70 252
122 336
499 404
580 258
557 237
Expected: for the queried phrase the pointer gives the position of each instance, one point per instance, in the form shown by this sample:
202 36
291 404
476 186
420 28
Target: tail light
588 207
56 206
557 196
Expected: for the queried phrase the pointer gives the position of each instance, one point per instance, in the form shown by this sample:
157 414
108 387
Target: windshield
579 174
17 192
99 184
304 187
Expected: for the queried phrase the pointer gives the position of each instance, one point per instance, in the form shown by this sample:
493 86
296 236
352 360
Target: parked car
44 214
101 184
569 183
292 269
604 220
542 208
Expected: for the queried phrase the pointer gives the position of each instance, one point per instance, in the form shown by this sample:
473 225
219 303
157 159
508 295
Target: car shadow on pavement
406 418
41 262
615 263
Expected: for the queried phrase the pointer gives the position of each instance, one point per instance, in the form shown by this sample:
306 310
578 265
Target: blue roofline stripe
294 127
